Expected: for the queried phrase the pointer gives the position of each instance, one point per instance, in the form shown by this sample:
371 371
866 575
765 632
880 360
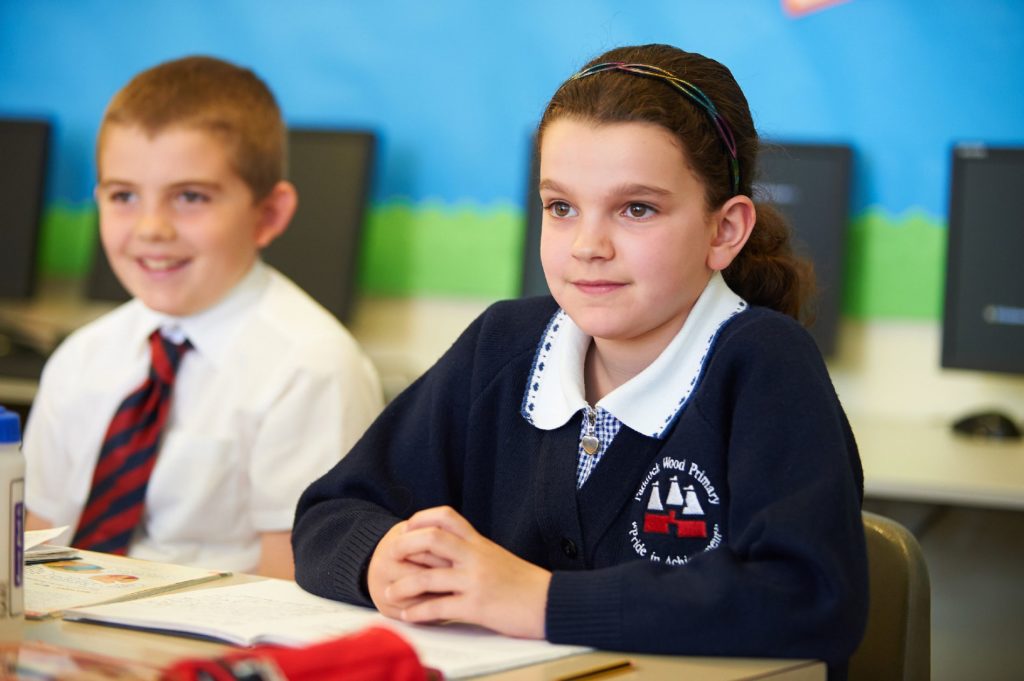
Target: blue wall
455 87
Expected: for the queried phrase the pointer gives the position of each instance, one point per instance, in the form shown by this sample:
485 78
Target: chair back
897 641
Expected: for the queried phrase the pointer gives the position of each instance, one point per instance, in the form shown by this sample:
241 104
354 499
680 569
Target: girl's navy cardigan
780 570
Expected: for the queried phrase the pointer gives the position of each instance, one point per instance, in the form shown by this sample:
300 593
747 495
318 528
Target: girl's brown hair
766 271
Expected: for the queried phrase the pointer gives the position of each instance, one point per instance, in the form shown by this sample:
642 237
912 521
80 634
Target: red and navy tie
129 451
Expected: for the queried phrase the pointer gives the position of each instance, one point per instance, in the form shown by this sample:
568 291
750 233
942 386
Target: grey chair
897 642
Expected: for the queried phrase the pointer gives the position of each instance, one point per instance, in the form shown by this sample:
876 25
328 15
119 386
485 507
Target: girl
654 460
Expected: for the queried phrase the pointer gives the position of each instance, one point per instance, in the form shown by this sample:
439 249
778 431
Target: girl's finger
444 517
440 608
427 559
441 544
434 582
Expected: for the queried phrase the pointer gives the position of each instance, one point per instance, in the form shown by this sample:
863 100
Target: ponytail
767 272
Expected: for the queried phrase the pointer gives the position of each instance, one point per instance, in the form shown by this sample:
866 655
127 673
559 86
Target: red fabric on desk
374 654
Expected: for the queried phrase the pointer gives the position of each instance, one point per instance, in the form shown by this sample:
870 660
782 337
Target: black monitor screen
101 283
810 185
24 146
983 317
533 282
332 171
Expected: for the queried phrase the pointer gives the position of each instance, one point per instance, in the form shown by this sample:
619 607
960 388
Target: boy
266 389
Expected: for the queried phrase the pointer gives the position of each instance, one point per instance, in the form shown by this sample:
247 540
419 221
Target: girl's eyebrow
629 188
639 188
551 185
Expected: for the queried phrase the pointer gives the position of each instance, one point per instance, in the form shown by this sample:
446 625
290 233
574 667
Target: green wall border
67 238
895 266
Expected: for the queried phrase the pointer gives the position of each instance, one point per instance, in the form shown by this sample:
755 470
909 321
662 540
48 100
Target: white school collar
650 401
209 331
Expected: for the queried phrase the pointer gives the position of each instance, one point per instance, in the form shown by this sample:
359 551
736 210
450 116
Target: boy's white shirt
273 393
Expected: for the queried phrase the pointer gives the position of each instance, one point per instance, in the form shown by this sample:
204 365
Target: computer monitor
983 314
533 282
24 152
332 171
101 283
808 183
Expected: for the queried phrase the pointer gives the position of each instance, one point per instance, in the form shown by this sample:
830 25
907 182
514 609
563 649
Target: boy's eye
560 209
121 196
189 196
639 211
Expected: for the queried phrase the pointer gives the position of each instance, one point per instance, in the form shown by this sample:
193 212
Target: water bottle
12 527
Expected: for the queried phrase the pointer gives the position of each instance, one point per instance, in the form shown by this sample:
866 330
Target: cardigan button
569 548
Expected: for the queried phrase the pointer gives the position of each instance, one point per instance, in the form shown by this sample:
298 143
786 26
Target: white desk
926 462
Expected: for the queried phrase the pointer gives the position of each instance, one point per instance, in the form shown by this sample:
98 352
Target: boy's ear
734 222
275 212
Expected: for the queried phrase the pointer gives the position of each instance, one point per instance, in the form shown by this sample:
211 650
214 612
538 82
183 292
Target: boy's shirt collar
207 331
650 401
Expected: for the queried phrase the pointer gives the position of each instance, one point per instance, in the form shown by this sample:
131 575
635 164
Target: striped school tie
118 494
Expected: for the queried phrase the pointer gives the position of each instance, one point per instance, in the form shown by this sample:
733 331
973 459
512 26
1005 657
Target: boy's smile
179 226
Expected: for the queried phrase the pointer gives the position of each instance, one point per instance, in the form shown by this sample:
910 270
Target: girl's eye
560 209
121 196
639 211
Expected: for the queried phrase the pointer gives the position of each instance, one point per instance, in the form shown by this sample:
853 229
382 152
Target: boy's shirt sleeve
46 462
43 450
316 419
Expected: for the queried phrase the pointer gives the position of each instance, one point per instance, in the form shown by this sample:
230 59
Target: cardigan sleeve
791 578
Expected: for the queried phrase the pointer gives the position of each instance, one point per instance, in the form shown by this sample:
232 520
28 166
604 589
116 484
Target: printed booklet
274 611
91 578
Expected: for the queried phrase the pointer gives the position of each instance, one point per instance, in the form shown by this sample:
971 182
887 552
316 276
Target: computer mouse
988 424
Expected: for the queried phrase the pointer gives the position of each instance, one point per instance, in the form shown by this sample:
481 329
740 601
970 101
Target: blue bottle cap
10 427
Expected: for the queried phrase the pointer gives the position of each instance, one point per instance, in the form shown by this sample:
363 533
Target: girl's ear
734 222
275 212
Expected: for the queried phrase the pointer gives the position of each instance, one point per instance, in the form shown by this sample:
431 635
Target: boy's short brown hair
213 95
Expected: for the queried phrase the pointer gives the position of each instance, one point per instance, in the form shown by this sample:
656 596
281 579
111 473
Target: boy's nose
153 225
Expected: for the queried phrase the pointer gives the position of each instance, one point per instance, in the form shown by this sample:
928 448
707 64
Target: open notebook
279 612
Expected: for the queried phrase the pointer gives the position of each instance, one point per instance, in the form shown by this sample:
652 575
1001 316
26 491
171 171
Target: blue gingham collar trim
650 401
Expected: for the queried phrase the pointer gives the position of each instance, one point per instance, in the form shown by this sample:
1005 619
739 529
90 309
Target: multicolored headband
688 90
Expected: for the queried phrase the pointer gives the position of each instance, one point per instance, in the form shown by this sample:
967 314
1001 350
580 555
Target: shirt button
569 548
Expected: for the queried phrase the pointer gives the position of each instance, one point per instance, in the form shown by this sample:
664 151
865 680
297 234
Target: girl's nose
593 240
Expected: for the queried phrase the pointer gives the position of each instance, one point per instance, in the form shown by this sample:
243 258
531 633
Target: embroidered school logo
676 513
660 520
